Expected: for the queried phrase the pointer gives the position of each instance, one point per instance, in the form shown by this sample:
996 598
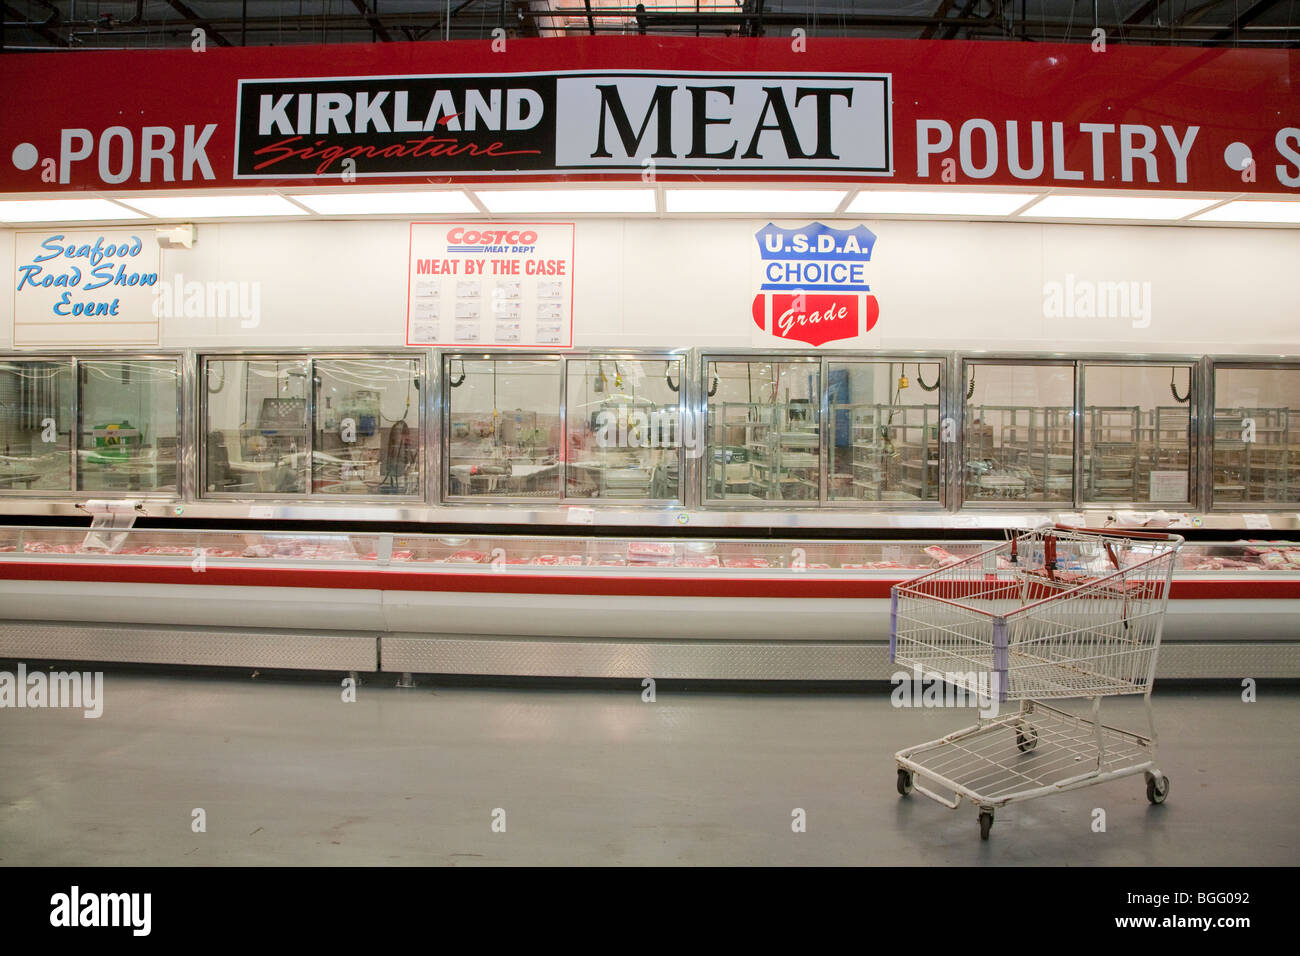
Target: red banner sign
941 113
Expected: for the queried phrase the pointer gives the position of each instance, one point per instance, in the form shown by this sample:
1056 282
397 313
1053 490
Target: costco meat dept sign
491 283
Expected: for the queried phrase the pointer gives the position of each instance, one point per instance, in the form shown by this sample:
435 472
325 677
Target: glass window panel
367 427
884 435
624 423
128 411
764 431
1020 433
35 426
1256 436
503 427
1137 443
255 426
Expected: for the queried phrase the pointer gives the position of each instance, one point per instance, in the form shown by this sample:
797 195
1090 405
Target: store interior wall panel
1231 620
697 660
689 282
212 647
634 617
774 660
183 605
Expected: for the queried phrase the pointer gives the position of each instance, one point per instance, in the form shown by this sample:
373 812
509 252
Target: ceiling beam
43 29
945 8
1143 11
373 19
1244 17
184 10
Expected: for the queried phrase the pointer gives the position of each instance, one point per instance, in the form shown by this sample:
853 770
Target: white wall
690 283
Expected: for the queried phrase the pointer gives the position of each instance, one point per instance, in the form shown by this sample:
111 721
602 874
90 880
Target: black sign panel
394 126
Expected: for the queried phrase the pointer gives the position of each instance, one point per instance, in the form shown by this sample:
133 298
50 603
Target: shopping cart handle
1120 533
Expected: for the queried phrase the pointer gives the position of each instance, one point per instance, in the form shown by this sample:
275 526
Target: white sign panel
77 288
804 122
1168 486
491 283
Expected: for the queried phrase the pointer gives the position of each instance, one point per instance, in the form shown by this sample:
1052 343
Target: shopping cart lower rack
1055 613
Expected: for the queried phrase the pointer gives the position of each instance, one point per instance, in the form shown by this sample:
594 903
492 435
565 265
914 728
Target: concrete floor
288 774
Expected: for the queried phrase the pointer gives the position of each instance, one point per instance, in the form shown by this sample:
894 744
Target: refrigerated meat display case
557 605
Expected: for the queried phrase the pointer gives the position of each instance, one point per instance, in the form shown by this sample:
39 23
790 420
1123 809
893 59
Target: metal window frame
1210 365
1194 363
1194 456
823 359
309 357
71 361
563 358
111 355
969 362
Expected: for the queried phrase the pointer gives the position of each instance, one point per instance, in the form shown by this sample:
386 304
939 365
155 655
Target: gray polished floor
287 773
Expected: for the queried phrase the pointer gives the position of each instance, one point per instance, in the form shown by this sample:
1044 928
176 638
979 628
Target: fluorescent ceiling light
938 203
63 210
761 201
1253 210
1114 207
567 200
213 207
382 204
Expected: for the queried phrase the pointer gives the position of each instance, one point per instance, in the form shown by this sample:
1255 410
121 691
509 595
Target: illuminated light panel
213 207
759 201
1253 210
937 203
567 200
426 202
1115 207
63 210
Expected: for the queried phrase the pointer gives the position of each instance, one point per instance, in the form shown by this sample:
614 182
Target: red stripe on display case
714 586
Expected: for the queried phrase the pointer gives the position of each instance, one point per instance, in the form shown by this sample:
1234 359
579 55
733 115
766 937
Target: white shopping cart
1058 612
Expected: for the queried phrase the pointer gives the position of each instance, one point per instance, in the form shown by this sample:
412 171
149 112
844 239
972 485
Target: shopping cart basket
1058 612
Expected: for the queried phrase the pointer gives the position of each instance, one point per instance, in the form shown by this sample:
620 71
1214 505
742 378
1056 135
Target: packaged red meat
608 561
747 563
1274 560
700 561
1293 557
397 555
655 549
942 556
571 560
467 557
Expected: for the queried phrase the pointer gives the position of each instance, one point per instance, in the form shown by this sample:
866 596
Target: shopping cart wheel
905 782
1157 788
1026 738
986 823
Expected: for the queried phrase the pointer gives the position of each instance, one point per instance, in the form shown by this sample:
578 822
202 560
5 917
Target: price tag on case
1074 519
581 516
1258 522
